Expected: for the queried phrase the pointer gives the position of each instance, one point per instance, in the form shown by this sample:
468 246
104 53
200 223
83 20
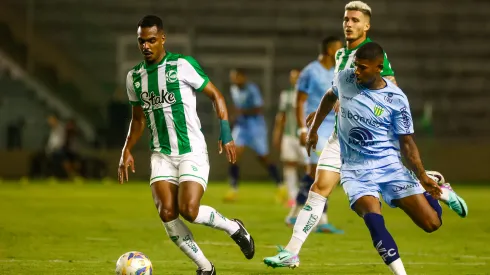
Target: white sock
210 217
397 267
180 234
307 219
445 195
291 179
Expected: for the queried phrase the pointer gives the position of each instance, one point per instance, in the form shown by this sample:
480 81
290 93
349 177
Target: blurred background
63 65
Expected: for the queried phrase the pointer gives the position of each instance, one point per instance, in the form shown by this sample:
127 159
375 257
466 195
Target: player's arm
403 127
412 157
251 111
219 105
136 128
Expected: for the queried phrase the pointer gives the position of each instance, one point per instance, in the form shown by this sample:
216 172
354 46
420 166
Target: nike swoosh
282 258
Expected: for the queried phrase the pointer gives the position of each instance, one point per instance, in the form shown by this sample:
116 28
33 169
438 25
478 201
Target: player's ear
367 26
380 67
163 39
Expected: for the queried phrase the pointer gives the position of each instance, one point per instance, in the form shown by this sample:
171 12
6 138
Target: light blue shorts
255 138
393 181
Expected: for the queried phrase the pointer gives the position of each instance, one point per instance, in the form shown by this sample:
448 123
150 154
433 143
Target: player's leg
289 156
240 135
164 187
448 196
362 189
193 176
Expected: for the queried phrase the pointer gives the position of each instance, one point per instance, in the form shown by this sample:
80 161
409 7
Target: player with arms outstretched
162 91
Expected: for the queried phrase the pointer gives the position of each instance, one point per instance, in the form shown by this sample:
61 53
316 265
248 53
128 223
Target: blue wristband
225 131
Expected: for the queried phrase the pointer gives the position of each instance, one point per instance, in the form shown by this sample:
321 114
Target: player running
313 81
162 91
375 129
250 130
285 137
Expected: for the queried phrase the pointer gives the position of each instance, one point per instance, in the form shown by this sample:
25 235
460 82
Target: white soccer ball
133 263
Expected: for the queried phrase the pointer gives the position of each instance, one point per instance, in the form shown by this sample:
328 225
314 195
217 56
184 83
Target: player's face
356 24
293 77
150 42
367 70
237 78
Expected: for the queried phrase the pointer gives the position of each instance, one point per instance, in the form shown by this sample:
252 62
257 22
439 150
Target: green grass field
83 229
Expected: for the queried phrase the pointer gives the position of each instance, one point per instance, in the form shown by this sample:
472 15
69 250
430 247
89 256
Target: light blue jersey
370 122
315 80
369 125
249 130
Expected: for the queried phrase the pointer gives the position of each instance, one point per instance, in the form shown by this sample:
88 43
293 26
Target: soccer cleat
436 176
283 259
231 196
244 240
328 228
455 202
208 272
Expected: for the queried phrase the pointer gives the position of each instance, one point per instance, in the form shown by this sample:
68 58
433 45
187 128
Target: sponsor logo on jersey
361 136
406 120
151 100
349 115
137 85
389 98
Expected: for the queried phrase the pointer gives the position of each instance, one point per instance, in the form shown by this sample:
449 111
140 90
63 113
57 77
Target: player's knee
432 224
168 214
189 210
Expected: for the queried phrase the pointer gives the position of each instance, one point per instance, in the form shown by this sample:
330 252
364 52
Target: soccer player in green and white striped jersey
162 91
285 137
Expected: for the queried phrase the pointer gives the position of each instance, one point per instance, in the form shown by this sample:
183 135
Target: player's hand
309 119
230 150
302 139
311 141
336 107
431 186
125 162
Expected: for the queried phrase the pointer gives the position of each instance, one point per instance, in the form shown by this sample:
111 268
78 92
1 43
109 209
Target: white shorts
291 150
176 169
330 157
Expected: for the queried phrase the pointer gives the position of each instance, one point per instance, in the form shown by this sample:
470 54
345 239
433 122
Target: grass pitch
83 229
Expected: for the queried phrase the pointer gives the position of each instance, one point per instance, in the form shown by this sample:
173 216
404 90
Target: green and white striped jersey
166 91
287 104
344 59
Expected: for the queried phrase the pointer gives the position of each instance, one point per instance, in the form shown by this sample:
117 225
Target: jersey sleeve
193 74
133 98
387 70
282 101
402 117
303 83
335 83
257 100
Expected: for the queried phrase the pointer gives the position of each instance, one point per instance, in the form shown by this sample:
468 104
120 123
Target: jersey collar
367 40
154 66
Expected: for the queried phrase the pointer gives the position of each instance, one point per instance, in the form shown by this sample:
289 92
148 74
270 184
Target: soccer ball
133 263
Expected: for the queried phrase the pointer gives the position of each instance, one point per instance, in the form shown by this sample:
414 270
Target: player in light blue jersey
375 130
313 81
250 130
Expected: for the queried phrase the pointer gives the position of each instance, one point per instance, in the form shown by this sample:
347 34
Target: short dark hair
239 71
370 51
151 20
327 42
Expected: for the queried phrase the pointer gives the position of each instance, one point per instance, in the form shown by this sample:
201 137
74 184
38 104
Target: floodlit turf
83 229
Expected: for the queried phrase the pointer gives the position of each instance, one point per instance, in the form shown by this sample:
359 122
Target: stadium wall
459 160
